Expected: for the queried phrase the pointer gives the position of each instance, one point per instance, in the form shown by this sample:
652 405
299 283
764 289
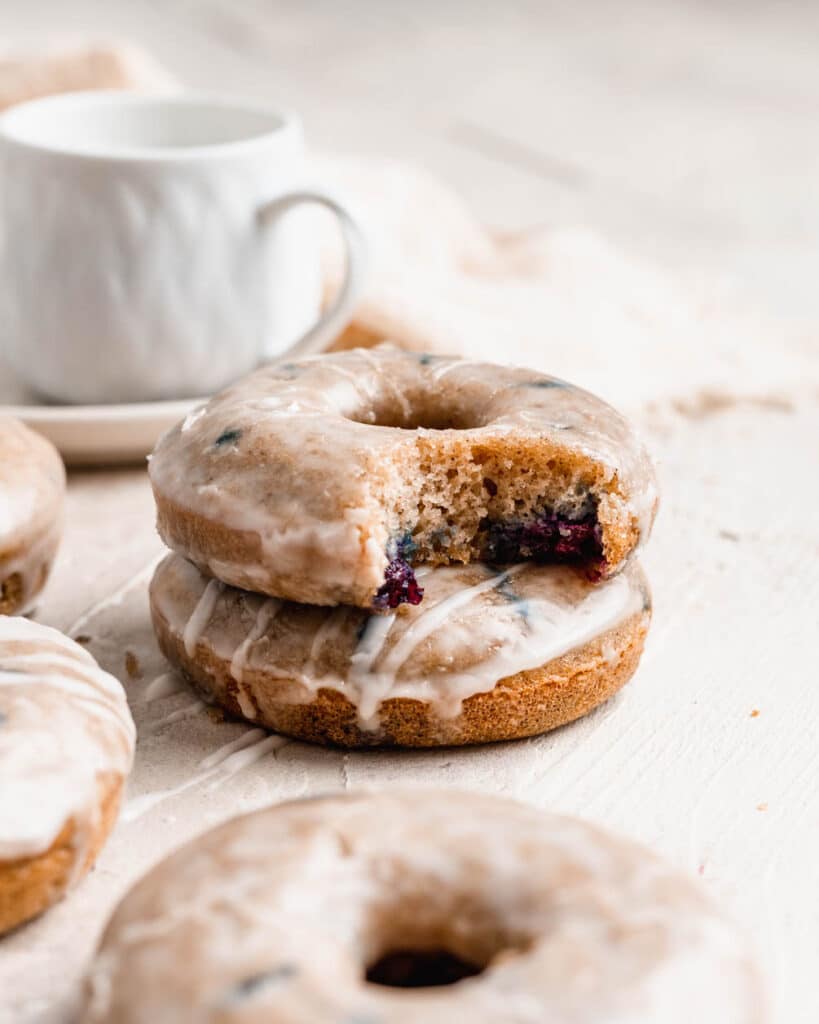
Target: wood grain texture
683 131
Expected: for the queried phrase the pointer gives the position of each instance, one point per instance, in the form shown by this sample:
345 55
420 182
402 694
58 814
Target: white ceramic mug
150 248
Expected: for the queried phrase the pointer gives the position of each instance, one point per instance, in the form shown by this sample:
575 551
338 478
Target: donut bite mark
329 481
491 654
418 907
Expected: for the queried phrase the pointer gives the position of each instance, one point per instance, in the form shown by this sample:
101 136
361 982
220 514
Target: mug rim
284 123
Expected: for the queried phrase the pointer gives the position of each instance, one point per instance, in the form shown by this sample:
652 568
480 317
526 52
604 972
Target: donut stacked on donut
376 547
66 745
423 907
32 488
326 481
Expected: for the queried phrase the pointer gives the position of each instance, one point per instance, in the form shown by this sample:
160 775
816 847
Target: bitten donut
328 480
66 744
32 487
491 654
418 907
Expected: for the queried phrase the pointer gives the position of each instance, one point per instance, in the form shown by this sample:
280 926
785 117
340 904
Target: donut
32 485
326 481
418 907
492 654
66 745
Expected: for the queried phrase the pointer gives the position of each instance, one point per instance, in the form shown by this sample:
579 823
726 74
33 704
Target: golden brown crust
526 704
30 885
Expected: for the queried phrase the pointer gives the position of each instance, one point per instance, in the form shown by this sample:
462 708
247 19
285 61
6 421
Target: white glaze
164 685
178 715
266 613
227 760
248 737
200 616
470 632
302 476
250 754
64 724
307 894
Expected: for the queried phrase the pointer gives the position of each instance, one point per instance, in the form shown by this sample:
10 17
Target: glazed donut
66 745
325 481
32 487
418 907
490 655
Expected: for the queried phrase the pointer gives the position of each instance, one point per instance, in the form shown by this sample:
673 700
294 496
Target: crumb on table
132 665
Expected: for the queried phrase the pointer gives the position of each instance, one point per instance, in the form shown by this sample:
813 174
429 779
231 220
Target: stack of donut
380 548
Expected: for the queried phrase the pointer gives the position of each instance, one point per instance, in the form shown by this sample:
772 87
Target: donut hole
415 941
420 968
423 411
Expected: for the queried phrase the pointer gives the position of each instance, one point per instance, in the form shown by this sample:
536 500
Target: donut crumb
132 666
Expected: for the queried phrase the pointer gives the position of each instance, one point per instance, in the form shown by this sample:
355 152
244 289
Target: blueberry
288 371
250 986
521 605
227 437
402 546
549 538
544 382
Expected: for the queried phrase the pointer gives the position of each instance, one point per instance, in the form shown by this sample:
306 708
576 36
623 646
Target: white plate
93 434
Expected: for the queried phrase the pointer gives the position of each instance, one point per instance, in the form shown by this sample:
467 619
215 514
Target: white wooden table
685 132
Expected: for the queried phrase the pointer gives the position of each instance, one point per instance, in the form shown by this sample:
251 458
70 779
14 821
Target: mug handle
336 318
